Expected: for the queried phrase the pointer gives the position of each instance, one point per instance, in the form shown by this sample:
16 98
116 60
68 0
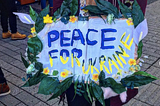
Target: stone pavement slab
10 61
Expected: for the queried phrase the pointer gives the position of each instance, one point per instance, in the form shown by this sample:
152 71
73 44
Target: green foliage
136 81
68 7
33 14
79 90
75 87
142 73
85 94
35 46
107 7
93 10
139 51
73 7
137 14
63 86
88 92
55 73
98 93
37 77
124 9
39 21
48 85
34 80
116 87
26 64
39 66
110 82
102 79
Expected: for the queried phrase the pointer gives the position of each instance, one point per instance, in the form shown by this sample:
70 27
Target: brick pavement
149 95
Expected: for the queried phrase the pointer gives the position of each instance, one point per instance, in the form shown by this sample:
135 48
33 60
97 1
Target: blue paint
80 37
62 38
79 51
53 51
88 41
64 51
103 39
102 57
50 40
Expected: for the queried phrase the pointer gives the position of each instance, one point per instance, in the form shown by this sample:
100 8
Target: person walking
4 88
7 7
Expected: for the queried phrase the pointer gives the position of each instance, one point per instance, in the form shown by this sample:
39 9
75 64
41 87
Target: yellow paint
67 71
51 61
83 68
123 54
125 43
111 62
122 59
72 62
64 61
102 65
78 62
140 37
119 62
93 67
27 19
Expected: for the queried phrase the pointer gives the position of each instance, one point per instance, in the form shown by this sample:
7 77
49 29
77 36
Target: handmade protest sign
92 53
86 48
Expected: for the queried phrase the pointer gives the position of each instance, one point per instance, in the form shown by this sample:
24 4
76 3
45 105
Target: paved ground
14 70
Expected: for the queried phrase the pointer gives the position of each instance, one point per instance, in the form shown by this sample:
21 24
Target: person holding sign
114 101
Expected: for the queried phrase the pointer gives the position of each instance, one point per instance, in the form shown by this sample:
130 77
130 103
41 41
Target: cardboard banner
85 48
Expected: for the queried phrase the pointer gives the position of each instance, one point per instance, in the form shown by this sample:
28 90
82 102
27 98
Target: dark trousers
7 7
43 3
80 100
2 79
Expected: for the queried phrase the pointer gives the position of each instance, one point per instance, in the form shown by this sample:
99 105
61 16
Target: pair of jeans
80 100
43 3
7 7
2 79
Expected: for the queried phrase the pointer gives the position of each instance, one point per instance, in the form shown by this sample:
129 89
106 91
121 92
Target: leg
43 4
50 3
4 22
2 79
78 101
4 88
12 17
13 23
4 16
51 7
